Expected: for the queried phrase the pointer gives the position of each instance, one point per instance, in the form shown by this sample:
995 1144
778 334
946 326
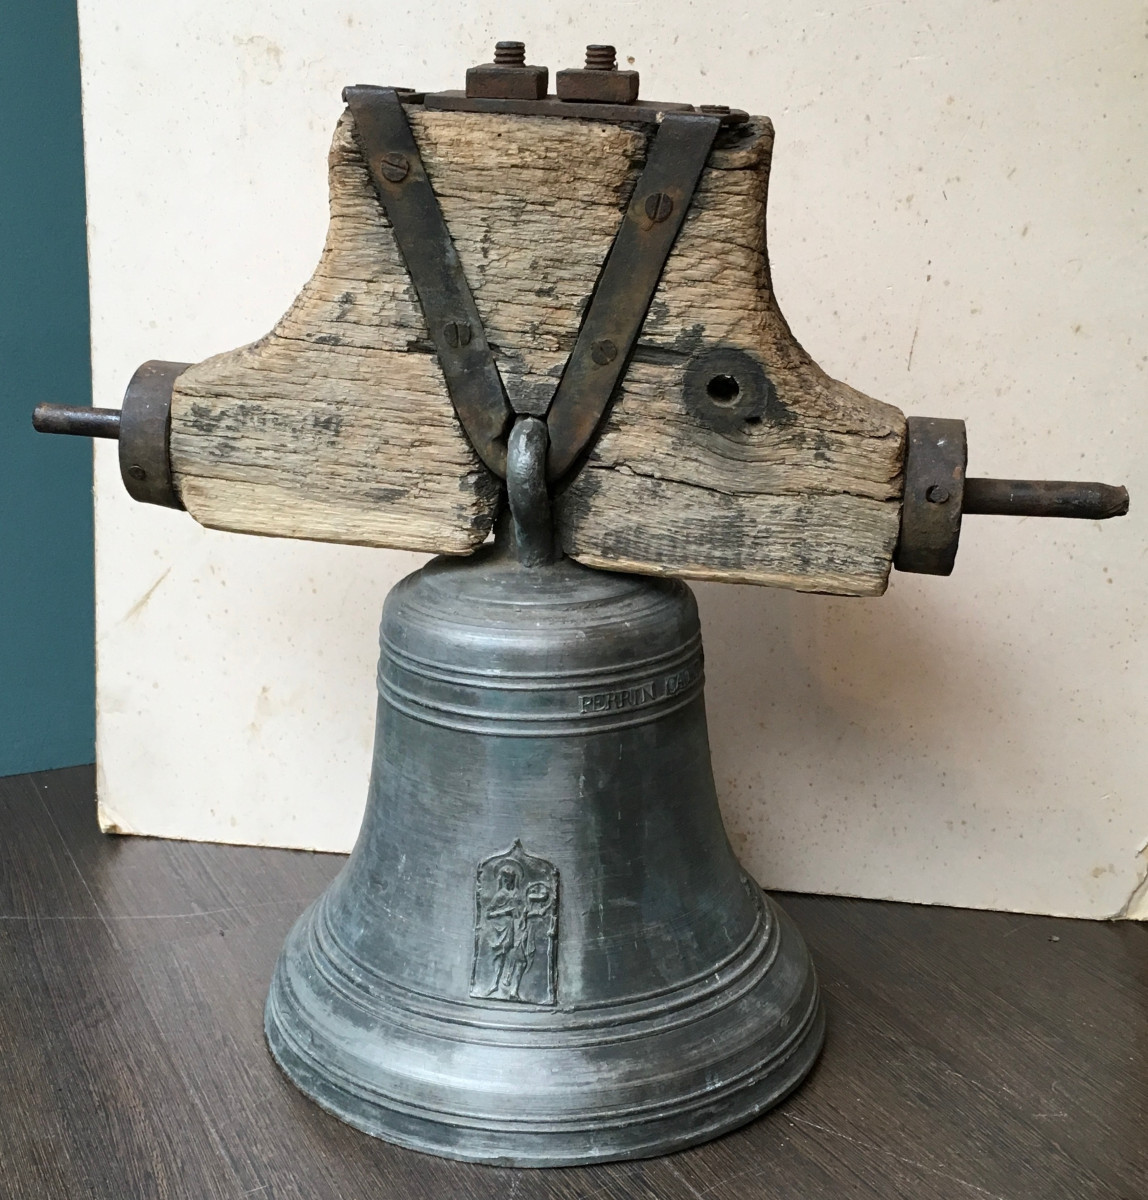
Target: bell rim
349 976
589 1134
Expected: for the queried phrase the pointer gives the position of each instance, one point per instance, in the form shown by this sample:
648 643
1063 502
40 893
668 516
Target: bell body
542 950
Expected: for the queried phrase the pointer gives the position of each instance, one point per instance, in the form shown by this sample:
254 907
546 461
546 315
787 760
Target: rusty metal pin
658 207
75 420
1045 498
395 167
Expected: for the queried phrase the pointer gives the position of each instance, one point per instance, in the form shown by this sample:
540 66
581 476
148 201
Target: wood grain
971 1055
337 424
807 498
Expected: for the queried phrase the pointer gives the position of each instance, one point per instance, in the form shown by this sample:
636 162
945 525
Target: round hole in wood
723 389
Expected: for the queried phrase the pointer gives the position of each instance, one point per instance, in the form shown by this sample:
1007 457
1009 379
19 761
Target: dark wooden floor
970 1055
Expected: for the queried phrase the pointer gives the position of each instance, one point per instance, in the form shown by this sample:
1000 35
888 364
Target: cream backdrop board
958 226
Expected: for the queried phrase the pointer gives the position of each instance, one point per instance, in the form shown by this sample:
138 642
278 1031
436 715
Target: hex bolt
658 206
510 54
508 77
599 81
601 58
394 167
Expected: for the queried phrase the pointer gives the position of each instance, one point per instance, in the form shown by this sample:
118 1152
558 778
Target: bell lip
704 1114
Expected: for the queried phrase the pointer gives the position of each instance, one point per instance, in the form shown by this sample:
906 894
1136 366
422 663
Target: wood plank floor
971 1056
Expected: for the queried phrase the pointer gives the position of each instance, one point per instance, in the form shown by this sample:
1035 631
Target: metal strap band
641 112
400 179
627 283
936 455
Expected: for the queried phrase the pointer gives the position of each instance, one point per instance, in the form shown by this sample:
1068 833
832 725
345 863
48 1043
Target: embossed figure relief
516 928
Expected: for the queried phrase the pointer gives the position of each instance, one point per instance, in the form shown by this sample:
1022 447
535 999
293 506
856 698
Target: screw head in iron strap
603 352
394 167
658 207
457 333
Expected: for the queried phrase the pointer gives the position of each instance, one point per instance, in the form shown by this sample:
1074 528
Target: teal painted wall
47 675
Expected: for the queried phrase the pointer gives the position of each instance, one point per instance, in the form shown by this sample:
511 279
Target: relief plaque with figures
516 929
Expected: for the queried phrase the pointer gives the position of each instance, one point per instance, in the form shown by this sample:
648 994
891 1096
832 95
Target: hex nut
601 87
493 81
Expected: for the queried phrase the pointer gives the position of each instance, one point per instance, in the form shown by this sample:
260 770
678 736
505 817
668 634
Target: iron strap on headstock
400 179
614 317
627 283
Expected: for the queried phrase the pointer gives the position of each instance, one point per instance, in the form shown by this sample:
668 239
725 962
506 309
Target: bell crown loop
527 492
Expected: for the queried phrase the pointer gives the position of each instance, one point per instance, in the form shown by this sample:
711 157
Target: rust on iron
1045 498
145 434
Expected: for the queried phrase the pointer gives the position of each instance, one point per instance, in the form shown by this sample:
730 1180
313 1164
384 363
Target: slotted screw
394 167
658 207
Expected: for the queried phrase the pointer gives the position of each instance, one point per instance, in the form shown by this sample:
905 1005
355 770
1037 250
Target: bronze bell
542 950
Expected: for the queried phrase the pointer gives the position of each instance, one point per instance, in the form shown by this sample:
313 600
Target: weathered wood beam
337 425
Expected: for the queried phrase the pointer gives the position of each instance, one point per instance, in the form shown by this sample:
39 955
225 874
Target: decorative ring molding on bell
526 705
720 984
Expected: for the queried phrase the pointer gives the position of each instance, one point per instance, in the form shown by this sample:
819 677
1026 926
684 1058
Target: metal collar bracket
142 426
937 495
